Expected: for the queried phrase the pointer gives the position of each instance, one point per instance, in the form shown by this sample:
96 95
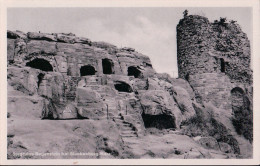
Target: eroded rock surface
69 94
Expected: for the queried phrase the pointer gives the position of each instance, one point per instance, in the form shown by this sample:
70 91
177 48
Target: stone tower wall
214 58
218 47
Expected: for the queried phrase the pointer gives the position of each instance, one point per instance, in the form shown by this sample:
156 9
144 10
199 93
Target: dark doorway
123 87
40 78
161 121
133 71
187 77
108 66
41 64
222 65
87 70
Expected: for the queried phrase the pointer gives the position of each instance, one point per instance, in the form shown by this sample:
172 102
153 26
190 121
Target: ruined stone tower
214 58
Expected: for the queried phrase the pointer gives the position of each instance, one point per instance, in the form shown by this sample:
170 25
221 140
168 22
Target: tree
223 20
185 13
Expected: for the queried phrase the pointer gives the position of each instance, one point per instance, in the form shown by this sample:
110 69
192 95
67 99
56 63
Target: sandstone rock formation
72 95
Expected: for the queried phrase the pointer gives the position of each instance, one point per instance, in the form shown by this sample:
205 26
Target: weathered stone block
86 96
41 36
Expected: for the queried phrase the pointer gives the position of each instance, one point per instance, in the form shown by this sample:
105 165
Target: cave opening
237 97
123 87
161 121
41 64
87 70
134 71
222 65
108 66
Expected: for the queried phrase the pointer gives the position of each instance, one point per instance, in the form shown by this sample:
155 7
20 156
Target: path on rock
126 130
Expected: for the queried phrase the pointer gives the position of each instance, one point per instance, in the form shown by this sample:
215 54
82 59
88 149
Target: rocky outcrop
73 95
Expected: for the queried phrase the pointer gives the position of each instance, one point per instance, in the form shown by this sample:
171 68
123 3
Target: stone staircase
127 130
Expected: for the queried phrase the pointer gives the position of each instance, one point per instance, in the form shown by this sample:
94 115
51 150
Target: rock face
111 101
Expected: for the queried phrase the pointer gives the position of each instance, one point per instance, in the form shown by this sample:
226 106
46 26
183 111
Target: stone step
129 135
126 125
130 140
123 127
112 106
110 100
126 128
110 103
92 80
101 91
119 121
93 87
130 143
92 83
128 132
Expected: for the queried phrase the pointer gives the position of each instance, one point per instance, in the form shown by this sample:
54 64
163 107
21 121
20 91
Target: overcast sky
151 31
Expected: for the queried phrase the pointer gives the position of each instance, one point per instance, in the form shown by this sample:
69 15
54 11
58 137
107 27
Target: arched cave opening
237 98
161 121
237 90
134 71
41 64
222 65
123 87
87 70
40 78
108 66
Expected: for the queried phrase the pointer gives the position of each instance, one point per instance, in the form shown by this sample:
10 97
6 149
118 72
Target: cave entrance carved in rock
41 64
123 87
237 96
87 70
134 71
162 121
108 66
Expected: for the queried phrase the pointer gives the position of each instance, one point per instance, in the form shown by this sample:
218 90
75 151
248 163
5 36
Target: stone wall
215 59
219 47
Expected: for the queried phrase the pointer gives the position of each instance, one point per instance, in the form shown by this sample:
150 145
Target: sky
151 31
